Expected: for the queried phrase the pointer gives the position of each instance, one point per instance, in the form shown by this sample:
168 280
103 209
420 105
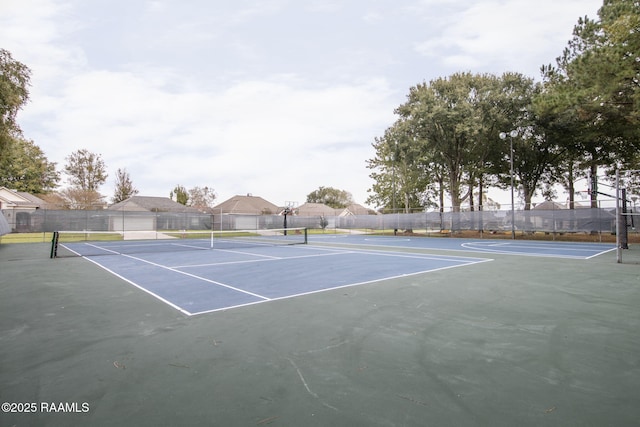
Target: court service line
249 261
199 277
406 254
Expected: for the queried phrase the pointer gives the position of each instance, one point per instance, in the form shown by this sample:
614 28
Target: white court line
474 246
468 246
479 260
578 247
460 262
198 277
180 309
249 261
404 254
600 253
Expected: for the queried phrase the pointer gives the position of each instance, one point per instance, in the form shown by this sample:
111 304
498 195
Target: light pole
393 171
503 136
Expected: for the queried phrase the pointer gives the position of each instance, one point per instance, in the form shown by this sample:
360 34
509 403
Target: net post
54 245
624 235
618 243
305 235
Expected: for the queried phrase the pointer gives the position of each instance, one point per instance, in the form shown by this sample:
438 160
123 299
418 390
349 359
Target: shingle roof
317 209
247 205
32 198
356 209
151 204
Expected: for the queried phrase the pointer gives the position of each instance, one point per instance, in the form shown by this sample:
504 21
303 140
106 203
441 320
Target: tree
124 186
202 198
24 167
14 93
86 173
77 198
536 149
594 89
451 120
398 173
86 170
181 195
332 197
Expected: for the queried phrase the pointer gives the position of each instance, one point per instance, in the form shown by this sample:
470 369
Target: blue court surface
202 281
488 246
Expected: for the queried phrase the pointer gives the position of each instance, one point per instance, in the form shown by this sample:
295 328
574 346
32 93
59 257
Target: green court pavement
519 341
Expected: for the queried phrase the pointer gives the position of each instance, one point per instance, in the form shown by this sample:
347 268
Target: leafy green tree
452 122
86 170
124 187
594 89
14 94
331 197
179 194
24 167
536 149
397 172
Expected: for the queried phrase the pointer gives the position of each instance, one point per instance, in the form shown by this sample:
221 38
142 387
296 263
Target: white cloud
491 34
256 136
271 97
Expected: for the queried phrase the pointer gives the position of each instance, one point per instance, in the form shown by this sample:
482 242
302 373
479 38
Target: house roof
548 205
320 209
317 209
248 204
356 209
150 204
19 199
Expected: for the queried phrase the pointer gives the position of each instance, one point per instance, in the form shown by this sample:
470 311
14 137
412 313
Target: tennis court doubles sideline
198 282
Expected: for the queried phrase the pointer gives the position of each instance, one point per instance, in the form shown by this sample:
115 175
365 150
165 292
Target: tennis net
96 243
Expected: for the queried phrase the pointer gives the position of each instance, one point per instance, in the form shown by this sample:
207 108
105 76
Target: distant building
320 209
317 209
150 204
169 215
356 209
17 207
247 205
549 205
246 213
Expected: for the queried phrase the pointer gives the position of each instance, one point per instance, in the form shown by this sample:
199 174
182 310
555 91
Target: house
548 205
150 204
245 213
320 209
18 207
155 213
247 205
356 209
12 199
317 209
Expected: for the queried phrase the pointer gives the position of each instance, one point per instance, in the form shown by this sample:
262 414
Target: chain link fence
588 220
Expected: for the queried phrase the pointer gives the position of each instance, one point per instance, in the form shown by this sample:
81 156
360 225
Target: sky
274 98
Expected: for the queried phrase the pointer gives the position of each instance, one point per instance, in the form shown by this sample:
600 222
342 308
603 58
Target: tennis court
343 331
196 276
487 246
